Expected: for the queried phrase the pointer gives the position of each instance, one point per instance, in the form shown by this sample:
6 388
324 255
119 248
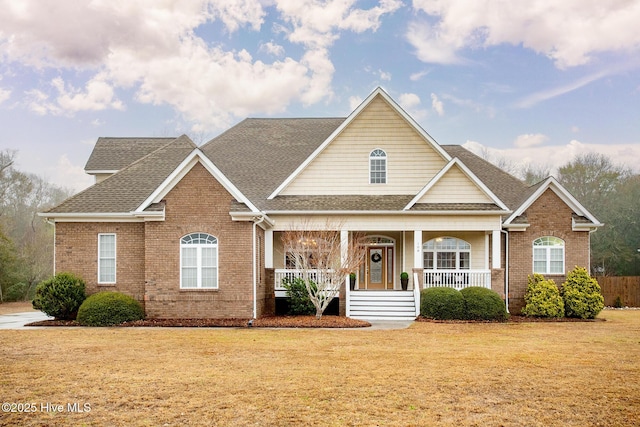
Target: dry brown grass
489 374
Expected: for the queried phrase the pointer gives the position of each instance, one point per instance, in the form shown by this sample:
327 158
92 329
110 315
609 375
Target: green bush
483 304
60 296
442 303
299 301
542 298
16 292
109 308
582 295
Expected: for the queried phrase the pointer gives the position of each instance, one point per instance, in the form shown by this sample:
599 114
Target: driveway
18 320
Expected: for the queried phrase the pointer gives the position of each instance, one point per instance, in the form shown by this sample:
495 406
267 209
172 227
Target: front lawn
450 374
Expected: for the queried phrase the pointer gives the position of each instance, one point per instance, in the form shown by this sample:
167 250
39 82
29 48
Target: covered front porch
451 258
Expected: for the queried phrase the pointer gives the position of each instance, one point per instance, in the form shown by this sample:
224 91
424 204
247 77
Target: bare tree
534 173
324 262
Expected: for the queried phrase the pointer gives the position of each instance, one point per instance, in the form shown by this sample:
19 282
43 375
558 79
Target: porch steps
382 305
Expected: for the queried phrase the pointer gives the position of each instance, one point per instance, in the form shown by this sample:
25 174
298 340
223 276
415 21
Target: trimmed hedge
60 296
483 304
582 295
442 303
542 298
109 308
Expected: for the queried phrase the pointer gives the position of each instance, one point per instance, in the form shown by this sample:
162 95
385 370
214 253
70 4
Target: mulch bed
263 322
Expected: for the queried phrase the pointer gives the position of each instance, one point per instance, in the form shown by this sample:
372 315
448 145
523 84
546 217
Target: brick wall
199 203
77 252
547 216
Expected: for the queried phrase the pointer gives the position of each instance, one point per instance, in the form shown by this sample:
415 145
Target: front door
379 267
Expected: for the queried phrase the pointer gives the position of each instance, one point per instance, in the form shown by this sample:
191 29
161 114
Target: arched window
199 261
548 255
378 167
447 253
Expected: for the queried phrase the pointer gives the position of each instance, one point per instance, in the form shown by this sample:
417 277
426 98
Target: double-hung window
377 167
199 261
106 258
447 253
548 255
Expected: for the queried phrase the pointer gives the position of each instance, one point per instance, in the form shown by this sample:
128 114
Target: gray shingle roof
257 155
127 189
113 154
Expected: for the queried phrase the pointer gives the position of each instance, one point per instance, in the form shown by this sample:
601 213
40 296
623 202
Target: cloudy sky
528 81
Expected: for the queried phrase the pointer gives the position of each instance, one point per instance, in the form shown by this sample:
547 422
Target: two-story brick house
195 232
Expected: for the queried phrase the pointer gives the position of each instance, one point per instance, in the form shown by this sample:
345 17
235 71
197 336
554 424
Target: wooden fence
625 287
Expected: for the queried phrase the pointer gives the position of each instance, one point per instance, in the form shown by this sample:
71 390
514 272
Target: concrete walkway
18 320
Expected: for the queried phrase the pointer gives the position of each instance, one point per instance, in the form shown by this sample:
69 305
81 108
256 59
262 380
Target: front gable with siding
440 213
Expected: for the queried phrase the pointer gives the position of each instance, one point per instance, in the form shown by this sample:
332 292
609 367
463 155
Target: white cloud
558 155
437 105
153 49
411 103
384 75
545 95
354 101
4 95
569 32
530 140
473 105
272 49
417 76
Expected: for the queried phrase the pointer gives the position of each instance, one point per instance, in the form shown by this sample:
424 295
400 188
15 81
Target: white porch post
495 249
417 253
268 248
344 249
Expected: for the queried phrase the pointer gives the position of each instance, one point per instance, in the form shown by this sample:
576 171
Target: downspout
506 268
255 266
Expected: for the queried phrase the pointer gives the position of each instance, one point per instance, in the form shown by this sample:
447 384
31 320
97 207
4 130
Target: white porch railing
457 279
282 273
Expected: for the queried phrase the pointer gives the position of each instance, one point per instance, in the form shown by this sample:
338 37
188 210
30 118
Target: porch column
344 253
417 253
495 249
268 248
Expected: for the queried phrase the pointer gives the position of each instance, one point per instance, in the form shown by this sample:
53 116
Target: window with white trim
199 261
106 258
378 167
447 253
548 255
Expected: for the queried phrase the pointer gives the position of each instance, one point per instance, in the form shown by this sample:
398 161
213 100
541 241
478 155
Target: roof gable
455 183
552 184
196 156
401 120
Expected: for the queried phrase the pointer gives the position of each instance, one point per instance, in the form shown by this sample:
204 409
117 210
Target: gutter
506 268
256 222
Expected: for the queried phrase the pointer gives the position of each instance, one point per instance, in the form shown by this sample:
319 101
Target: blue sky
529 82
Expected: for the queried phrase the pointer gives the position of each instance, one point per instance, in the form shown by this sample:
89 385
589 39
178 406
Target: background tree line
609 191
26 240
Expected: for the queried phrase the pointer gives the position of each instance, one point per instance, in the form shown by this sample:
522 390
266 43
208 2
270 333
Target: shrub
483 304
16 292
618 302
60 296
442 303
299 301
109 308
582 295
542 298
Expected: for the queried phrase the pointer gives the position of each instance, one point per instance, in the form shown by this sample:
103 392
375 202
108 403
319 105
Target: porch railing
282 273
457 279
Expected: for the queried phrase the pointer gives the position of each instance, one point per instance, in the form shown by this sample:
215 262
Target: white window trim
386 166
548 256
198 247
457 251
115 259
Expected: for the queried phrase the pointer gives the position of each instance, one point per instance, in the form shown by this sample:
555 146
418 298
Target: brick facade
148 255
547 216
76 251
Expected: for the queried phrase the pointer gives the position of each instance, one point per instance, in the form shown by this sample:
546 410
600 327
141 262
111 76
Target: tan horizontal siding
455 187
343 167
